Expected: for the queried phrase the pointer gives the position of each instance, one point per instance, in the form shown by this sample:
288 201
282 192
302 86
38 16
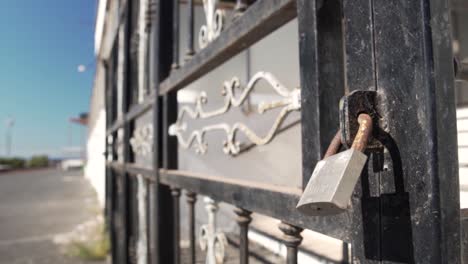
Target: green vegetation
38 161
93 249
13 163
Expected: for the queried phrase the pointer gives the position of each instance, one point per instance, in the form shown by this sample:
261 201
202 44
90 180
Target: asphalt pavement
36 207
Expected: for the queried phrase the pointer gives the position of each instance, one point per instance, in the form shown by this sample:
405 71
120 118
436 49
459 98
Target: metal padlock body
332 183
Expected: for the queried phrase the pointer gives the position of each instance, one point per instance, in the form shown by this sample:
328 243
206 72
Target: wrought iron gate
405 207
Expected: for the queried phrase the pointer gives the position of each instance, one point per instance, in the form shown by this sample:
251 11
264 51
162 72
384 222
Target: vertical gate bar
126 183
359 44
169 147
169 116
175 35
191 199
169 151
110 201
169 111
132 223
360 74
310 110
107 206
292 239
107 96
323 83
126 151
110 204
123 79
464 238
121 225
243 220
160 197
153 81
419 201
190 27
111 93
176 232
321 69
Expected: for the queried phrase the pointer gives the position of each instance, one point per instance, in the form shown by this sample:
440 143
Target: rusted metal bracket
351 106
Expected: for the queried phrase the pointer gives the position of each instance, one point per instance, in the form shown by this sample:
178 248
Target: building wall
95 146
95 165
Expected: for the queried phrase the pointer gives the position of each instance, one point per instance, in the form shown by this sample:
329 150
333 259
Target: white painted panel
462 112
463 139
462 124
463 199
463 155
463 173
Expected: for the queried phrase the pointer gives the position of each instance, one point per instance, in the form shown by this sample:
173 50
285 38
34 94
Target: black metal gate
405 207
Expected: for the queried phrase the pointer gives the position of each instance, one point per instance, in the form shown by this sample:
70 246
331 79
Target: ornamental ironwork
290 102
211 240
142 140
214 23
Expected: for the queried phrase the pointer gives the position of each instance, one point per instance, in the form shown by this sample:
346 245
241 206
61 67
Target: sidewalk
36 207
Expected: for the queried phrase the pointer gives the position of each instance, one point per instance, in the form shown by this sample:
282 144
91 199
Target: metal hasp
351 105
334 178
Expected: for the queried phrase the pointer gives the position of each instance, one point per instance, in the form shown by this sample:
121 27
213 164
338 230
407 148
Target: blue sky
42 42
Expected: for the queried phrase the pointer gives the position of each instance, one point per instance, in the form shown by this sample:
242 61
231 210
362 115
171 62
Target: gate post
406 206
419 189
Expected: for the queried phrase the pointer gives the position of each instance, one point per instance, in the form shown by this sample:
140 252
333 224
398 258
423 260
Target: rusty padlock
332 183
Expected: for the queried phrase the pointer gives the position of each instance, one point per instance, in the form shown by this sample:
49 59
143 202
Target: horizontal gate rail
260 19
134 112
255 197
132 170
259 200
115 126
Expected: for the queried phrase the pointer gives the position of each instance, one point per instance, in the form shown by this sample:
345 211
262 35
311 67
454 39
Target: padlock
332 183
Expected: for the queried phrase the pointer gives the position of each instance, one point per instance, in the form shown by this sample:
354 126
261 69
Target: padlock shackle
360 141
364 132
334 146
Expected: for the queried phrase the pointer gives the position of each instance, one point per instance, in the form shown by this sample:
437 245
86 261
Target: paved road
35 207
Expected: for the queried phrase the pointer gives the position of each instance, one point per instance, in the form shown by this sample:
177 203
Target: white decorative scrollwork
214 23
142 140
212 241
290 102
